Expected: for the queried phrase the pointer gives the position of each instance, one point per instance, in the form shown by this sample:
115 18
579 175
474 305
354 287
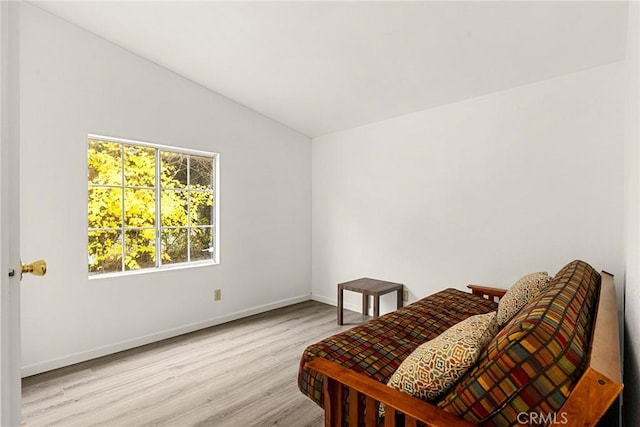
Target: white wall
480 191
74 83
632 224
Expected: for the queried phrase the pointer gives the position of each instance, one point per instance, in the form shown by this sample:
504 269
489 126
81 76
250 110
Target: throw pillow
523 291
436 365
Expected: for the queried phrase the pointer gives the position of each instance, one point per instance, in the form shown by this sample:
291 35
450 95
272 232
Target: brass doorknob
37 268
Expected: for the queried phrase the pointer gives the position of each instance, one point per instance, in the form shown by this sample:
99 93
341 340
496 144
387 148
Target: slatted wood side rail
396 402
487 292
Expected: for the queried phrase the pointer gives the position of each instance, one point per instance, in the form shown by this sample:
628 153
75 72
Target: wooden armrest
393 399
487 291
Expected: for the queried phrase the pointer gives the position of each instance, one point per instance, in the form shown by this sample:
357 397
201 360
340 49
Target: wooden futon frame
596 390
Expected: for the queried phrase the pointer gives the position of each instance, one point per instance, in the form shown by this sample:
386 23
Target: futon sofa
555 362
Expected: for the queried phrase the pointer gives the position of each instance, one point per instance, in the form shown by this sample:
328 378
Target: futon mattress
377 347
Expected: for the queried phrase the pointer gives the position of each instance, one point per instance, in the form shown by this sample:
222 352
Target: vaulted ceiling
320 67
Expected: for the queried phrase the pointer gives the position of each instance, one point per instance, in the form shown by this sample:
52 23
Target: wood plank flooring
241 373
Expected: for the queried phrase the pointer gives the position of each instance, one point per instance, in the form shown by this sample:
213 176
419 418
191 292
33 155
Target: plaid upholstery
378 346
534 361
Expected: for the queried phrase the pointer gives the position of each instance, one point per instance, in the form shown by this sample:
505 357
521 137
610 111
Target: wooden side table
367 287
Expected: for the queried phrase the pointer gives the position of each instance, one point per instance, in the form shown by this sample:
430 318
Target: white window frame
158 223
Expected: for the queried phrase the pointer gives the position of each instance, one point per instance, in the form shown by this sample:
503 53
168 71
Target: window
150 206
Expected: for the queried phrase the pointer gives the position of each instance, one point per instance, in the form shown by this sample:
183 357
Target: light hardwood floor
242 373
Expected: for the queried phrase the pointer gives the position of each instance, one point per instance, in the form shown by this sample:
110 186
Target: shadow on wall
631 392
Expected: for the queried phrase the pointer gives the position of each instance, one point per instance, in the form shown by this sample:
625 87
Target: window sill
153 270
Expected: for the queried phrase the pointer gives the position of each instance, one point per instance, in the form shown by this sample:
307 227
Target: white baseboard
82 356
346 305
323 299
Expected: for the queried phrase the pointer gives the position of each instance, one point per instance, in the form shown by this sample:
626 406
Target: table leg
365 304
340 296
376 306
400 302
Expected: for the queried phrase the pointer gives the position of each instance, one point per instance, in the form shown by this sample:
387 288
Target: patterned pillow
437 364
523 291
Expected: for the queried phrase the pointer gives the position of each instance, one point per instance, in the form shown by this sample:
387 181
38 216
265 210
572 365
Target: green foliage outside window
122 207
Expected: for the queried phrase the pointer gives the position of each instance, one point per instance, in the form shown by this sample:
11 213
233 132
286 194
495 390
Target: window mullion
158 208
122 174
188 208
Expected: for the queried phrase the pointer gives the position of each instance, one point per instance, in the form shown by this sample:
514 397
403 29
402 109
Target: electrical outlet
405 296
217 294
